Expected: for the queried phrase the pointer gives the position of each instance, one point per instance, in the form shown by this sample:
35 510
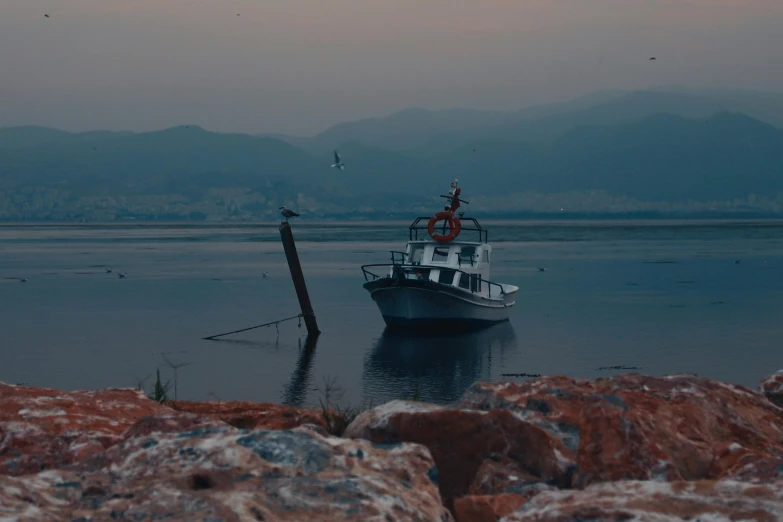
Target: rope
276 323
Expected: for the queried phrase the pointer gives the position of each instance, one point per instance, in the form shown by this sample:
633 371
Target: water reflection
295 391
434 369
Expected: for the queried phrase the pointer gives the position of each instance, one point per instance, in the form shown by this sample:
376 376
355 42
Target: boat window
466 255
422 274
475 283
417 255
464 281
446 277
440 254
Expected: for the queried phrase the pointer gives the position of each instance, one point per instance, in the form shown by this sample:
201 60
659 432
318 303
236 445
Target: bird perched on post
338 163
287 213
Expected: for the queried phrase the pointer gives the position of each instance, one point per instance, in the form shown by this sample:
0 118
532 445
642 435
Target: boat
440 283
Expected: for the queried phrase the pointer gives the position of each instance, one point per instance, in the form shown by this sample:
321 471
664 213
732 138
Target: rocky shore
631 447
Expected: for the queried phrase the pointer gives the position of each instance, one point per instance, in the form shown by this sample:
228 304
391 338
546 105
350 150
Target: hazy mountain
613 147
764 106
423 133
32 136
145 160
620 109
411 128
661 157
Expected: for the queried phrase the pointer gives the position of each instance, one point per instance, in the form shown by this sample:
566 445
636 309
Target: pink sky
298 66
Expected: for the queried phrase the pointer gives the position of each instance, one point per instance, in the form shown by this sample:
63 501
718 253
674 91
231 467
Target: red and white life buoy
454 224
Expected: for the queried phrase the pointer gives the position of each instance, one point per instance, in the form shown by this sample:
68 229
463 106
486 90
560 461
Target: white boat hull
436 307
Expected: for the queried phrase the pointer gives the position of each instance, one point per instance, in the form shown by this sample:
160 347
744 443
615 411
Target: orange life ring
455 227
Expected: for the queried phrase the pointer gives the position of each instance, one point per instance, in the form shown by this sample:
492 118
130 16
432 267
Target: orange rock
499 474
563 432
252 415
461 440
772 387
41 428
652 500
639 427
486 508
221 473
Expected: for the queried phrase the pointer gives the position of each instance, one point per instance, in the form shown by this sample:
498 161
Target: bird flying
287 213
46 15
653 58
338 163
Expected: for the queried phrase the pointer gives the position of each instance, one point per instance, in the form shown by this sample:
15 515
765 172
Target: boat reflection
435 369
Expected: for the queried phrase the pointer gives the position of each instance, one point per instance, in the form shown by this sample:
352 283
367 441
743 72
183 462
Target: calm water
667 297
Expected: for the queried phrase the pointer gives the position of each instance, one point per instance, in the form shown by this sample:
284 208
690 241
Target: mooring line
298 316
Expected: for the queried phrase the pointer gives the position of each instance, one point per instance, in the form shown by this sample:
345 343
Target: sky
299 66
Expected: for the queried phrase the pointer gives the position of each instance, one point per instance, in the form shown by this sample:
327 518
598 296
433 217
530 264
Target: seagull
288 213
264 274
653 58
46 15
23 279
108 270
338 163
121 276
540 269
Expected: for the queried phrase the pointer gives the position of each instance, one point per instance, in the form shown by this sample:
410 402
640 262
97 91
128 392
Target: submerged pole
298 277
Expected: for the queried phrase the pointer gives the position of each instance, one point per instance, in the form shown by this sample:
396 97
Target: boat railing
469 224
400 271
397 257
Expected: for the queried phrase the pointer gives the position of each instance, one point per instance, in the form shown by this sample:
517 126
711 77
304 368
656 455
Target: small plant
140 383
336 417
160 393
175 367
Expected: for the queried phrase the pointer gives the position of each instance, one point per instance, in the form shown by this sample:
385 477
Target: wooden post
298 277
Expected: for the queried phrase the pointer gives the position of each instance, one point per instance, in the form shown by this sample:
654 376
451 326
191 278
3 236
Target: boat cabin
447 263
462 264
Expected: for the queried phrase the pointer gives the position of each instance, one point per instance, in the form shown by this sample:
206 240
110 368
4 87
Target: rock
499 474
772 387
486 508
652 500
221 473
638 427
250 415
43 428
170 422
461 440
563 432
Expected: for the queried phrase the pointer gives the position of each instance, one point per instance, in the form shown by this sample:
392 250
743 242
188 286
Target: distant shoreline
407 216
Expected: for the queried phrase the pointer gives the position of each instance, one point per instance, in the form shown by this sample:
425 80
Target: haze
299 66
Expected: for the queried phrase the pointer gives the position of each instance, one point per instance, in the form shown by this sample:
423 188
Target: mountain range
664 150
